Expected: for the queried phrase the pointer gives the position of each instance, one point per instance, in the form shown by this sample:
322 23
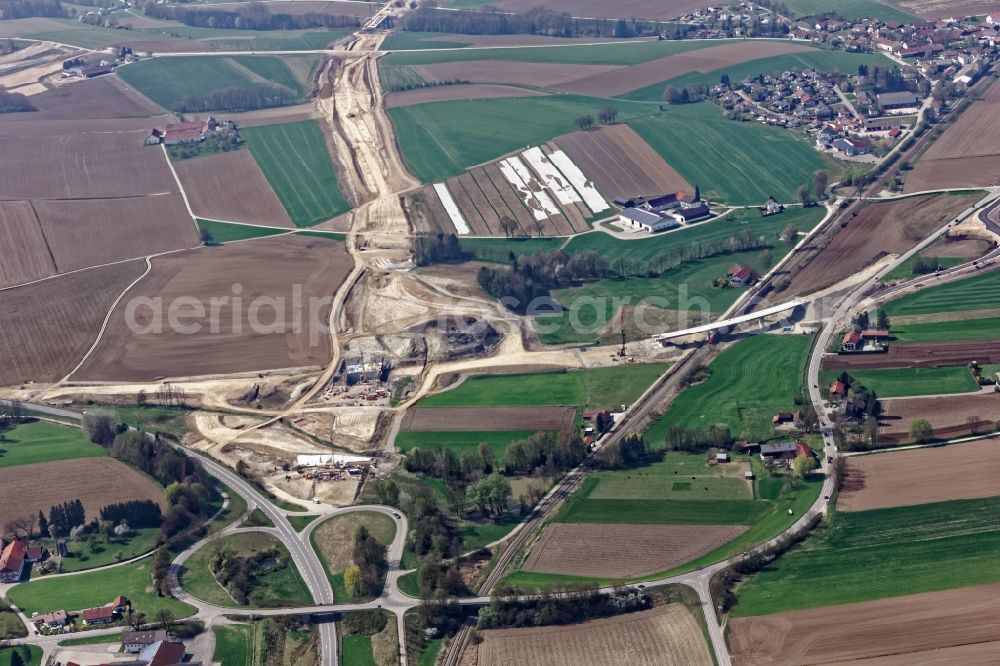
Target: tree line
235 98
490 20
11 102
137 513
441 248
554 608
15 9
250 16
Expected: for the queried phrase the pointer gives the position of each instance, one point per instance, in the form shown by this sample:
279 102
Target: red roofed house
12 562
178 133
874 334
740 275
102 615
162 653
838 389
120 604
993 18
803 449
852 342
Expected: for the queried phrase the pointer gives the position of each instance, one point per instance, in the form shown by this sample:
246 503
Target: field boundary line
107 318
180 188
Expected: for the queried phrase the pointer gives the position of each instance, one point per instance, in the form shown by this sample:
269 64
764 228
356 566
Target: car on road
395 515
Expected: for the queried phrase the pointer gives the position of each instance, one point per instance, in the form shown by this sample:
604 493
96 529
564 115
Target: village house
853 411
35 553
852 146
137 641
838 390
54 620
785 451
13 562
852 342
101 615
784 418
741 275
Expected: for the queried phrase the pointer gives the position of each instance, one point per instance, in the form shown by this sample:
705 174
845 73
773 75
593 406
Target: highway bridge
727 323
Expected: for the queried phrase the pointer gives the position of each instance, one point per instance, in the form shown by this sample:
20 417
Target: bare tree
20 528
509 226
539 227
974 423
165 618
585 122
608 115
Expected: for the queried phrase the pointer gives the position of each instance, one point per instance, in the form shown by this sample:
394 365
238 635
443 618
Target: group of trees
606 116
693 92
809 193
63 518
546 453
249 16
863 321
14 102
238 573
441 248
234 98
550 608
136 513
363 578
489 20
490 495
446 465
215 142
717 435
15 9
628 452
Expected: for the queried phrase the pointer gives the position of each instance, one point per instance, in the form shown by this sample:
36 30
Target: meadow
867 555
96 589
225 232
851 9
167 81
234 645
297 164
948 331
905 382
442 139
40 441
647 249
273 587
459 442
34 655
678 476
975 293
905 270
356 649
747 385
597 388
498 250
333 541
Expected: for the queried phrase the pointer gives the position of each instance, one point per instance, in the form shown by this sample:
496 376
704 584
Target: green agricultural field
717 154
748 384
819 59
865 555
442 139
405 40
96 589
40 441
356 649
850 9
498 250
583 507
211 39
905 382
981 292
234 645
225 232
678 476
598 388
34 655
167 81
647 249
297 164
273 587
948 331
459 442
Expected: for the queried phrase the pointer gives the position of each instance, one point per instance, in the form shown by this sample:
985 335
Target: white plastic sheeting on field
461 227
524 173
555 181
591 196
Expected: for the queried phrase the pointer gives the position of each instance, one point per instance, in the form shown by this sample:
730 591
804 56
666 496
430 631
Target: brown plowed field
665 636
474 419
513 199
965 248
919 476
948 415
640 9
928 354
469 210
82 165
882 228
449 93
968 153
265 269
23 253
97 482
542 74
104 97
49 326
481 203
486 186
620 163
708 59
901 630
230 186
88 232
621 550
